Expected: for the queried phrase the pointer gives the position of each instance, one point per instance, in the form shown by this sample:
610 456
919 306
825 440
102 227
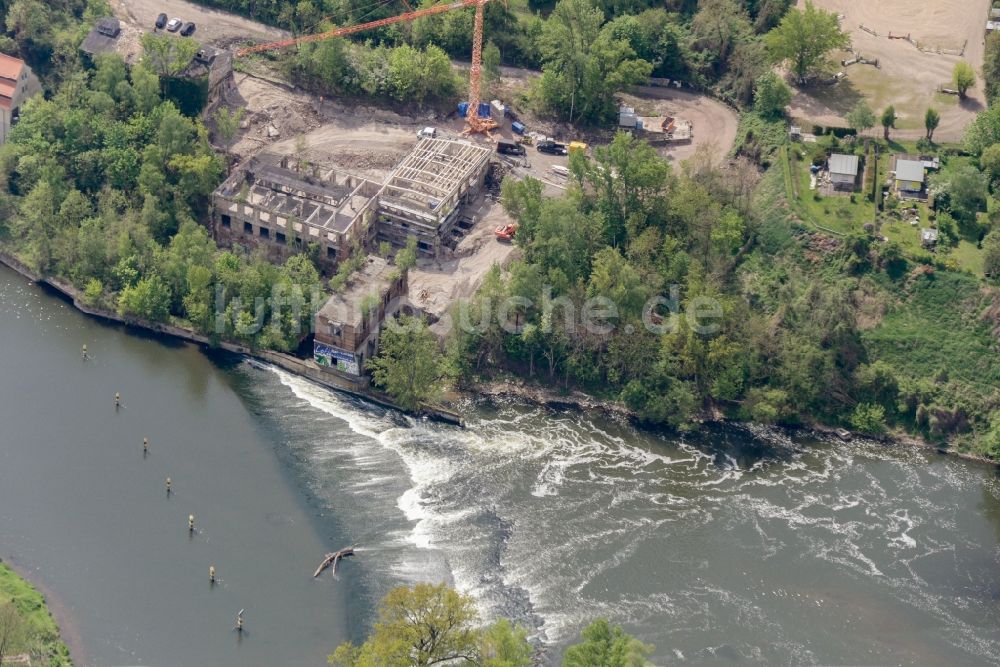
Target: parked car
427 133
551 148
188 29
161 21
509 147
173 25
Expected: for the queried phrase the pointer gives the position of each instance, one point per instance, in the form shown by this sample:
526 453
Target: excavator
475 124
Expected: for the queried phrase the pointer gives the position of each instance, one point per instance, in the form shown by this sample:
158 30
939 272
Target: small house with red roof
17 84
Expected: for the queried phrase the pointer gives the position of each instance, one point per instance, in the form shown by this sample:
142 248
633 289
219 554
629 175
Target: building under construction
424 194
284 206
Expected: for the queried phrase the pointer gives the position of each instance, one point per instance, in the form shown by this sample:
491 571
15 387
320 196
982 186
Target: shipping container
517 127
463 109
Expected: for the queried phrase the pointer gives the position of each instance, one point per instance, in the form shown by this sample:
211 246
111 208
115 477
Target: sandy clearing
908 77
435 285
214 26
714 123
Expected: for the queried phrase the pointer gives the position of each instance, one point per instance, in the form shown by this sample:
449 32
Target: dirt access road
908 77
214 27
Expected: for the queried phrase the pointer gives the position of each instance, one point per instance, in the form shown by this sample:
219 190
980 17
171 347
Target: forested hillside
587 50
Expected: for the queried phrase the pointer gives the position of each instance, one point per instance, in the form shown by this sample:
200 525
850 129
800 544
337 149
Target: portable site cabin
843 171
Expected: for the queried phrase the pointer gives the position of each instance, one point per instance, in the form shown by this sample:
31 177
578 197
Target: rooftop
10 67
375 277
844 164
909 170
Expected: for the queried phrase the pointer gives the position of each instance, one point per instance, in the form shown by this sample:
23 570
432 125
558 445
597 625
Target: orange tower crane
474 121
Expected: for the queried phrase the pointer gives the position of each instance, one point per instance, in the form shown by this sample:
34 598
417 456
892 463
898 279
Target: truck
505 147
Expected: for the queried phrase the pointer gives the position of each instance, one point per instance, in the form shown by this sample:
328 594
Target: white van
427 133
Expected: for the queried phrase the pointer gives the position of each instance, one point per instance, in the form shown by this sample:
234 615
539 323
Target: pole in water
168 487
145 447
211 574
85 352
118 400
239 622
190 523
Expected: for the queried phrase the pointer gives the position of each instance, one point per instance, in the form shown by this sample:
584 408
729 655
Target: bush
93 293
869 418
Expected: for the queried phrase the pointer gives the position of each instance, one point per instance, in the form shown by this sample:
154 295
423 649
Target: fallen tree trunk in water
332 559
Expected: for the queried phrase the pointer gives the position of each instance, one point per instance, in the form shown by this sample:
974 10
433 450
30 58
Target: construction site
342 181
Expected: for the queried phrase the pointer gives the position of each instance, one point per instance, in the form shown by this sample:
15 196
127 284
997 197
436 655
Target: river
733 545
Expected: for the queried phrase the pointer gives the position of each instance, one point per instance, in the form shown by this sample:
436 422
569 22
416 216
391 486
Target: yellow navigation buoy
191 523
168 486
118 400
145 446
211 573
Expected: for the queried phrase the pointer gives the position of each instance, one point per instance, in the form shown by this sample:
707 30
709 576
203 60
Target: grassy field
938 329
42 641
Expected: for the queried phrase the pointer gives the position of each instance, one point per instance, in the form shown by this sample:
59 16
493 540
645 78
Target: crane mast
474 121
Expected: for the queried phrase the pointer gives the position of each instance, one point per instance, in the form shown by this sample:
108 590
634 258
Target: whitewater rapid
735 544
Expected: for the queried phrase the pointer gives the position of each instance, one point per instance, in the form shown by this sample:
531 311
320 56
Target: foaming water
736 544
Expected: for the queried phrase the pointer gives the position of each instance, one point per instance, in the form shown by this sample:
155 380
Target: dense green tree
963 77
984 131
991 256
931 121
630 181
771 95
861 117
869 418
148 299
167 55
804 38
504 644
962 191
433 624
888 120
522 199
718 27
409 364
584 66
608 646
991 66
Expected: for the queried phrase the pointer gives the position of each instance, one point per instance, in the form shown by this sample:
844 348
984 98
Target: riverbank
512 387
521 390
305 367
41 640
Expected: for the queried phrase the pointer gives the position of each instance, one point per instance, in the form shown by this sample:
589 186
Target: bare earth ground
214 26
714 124
435 286
908 78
